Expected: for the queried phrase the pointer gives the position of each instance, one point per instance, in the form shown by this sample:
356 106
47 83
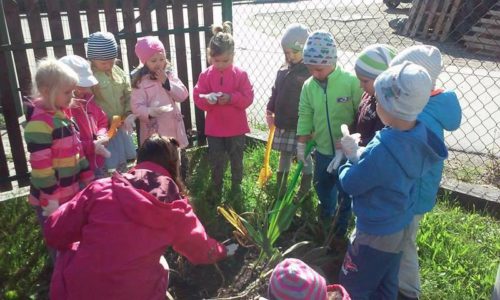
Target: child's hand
129 123
99 148
155 111
231 249
301 149
51 207
211 98
350 144
335 163
224 99
161 76
270 119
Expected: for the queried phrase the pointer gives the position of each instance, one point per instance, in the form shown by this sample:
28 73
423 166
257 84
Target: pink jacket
92 122
123 230
230 119
169 123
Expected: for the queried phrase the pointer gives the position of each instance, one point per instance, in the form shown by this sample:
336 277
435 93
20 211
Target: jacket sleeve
178 90
306 113
64 226
453 117
101 121
243 96
138 103
86 174
272 100
127 89
190 238
357 94
38 136
202 87
359 178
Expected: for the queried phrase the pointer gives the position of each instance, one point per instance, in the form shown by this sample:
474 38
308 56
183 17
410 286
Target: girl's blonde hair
222 40
52 75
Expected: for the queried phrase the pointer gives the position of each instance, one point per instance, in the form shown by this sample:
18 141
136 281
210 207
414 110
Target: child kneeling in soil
292 279
112 235
382 182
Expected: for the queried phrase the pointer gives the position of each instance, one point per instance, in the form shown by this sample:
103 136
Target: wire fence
472 70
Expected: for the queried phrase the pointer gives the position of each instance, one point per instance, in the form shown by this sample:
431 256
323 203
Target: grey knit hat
374 60
102 46
320 49
403 90
426 56
294 37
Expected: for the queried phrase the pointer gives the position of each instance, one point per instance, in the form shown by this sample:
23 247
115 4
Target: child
382 183
328 99
292 279
155 91
283 105
112 94
58 164
90 118
228 93
443 112
372 61
123 225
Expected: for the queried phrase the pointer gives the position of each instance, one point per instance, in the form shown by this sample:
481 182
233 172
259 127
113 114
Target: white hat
403 90
82 67
426 56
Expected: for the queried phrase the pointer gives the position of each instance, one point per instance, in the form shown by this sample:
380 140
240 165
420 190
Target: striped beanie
294 37
374 60
293 279
102 46
426 56
320 49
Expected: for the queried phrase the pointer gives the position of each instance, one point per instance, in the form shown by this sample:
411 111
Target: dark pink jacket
92 122
123 231
230 119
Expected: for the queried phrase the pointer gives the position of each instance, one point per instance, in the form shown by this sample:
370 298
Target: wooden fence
127 19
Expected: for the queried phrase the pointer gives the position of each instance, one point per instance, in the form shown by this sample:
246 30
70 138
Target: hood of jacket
146 195
416 152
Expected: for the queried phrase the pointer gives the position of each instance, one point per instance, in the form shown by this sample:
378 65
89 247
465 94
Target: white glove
301 149
155 111
270 119
335 163
350 144
231 249
212 97
99 148
50 208
129 123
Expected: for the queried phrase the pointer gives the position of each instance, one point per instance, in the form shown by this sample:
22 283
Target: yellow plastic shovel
265 172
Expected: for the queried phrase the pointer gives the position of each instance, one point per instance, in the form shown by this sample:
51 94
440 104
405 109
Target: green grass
459 250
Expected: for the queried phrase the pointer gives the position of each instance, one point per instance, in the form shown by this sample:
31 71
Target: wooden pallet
485 34
431 19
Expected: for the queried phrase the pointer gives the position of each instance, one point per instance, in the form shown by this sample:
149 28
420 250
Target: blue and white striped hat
102 46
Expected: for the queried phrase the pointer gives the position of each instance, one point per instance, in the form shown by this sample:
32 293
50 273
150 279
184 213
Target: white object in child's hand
212 97
335 163
99 148
301 149
155 110
231 249
349 144
129 123
50 208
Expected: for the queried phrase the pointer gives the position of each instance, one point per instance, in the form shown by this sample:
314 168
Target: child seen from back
283 106
90 118
442 112
224 91
328 99
112 94
155 93
58 165
382 182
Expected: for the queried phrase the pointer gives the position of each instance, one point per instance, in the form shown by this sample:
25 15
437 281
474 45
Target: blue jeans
330 192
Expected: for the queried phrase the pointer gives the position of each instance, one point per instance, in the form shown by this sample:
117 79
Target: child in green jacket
329 98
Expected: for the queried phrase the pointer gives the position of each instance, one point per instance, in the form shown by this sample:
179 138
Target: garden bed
459 250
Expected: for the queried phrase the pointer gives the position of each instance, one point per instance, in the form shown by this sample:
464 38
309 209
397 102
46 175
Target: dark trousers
219 149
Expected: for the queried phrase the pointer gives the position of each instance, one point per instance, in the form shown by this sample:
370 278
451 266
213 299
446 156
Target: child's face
223 61
157 62
63 96
81 92
292 56
320 72
383 115
103 65
366 84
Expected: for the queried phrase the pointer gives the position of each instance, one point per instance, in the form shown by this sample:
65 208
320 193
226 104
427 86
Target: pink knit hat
147 47
292 279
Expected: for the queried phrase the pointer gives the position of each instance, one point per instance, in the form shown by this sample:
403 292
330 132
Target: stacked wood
431 19
485 34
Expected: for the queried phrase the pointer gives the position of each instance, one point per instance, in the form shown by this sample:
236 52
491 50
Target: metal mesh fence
472 72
